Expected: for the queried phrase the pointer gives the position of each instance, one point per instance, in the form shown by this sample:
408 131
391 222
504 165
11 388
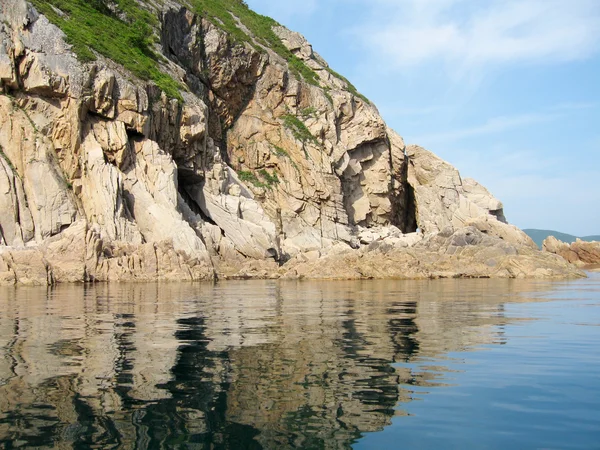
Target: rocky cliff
189 140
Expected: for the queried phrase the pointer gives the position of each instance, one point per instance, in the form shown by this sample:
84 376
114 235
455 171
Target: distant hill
538 236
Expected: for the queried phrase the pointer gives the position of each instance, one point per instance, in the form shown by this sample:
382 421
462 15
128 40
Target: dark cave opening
188 181
410 217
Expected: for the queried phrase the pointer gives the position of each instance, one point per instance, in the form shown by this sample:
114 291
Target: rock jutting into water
207 146
581 253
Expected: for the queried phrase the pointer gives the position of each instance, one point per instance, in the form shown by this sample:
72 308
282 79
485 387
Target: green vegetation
327 93
351 87
3 156
15 106
298 129
91 25
271 179
249 177
298 68
309 112
219 13
538 236
126 34
31 122
281 152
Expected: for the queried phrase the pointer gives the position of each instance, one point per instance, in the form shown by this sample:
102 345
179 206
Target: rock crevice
262 167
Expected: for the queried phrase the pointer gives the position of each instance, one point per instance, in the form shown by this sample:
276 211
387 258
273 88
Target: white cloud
401 110
539 201
501 123
494 125
538 190
468 33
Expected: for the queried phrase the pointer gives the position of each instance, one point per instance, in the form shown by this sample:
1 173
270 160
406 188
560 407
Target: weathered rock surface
466 252
79 254
256 172
581 253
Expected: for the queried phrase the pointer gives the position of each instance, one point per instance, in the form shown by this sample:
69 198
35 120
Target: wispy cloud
542 201
493 125
574 106
502 123
414 111
467 33
538 190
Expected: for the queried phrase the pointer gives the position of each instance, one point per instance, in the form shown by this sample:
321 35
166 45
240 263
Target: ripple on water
261 364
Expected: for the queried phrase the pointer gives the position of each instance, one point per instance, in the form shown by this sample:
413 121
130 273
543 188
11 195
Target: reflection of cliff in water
236 365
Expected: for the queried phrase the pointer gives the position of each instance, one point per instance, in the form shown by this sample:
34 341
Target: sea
428 364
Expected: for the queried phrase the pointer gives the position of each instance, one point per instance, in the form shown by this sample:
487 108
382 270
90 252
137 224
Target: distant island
538 236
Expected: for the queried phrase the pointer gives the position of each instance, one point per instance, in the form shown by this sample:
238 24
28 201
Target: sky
508 91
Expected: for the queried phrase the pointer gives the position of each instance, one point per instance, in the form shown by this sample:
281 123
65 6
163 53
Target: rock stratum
584 254
224 147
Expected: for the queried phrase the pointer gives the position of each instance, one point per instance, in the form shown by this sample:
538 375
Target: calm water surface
365 365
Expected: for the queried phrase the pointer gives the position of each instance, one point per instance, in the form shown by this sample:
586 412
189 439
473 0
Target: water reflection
235 365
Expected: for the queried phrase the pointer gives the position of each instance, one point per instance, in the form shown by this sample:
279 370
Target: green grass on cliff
298 129
268 179
219 12
8 161
249 177
125 33
351 88
126 37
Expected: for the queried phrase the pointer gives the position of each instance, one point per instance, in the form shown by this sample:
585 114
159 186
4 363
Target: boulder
581 253
260 167
466 253
444 199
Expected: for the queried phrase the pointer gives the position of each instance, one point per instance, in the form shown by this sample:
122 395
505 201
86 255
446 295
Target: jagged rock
180 35
488 224
581 253
41 77
103 177
73 254
132 107
104 94
152 196
463 253
24 266
16 223
436 187
297 44
78 254
443 199
479 195
149 262
113 140
233 71
8 74
103 197
32 155
242 219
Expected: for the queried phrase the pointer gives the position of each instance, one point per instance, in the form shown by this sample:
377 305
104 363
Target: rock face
466 252
581 253
256 169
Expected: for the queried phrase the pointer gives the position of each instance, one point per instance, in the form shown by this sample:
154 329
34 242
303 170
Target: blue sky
508 91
